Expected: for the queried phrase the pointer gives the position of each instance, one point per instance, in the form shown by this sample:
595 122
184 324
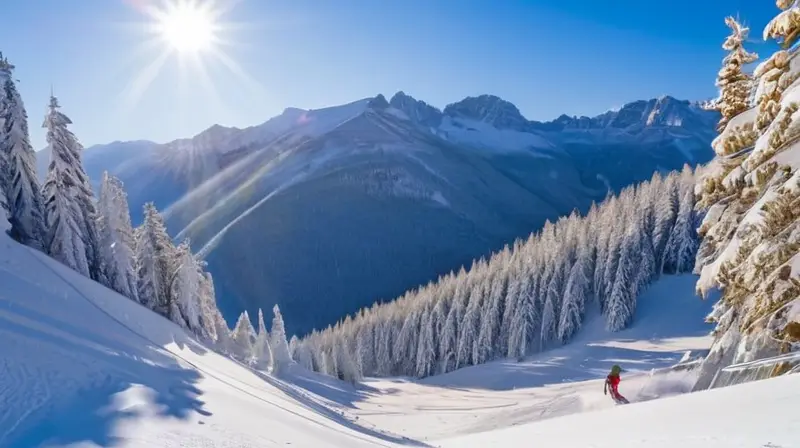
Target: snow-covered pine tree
448 346
365 349
281 356
666 213
186 309
523 330
262 356
734 83
683 241
383 345
303 356
426 346
554 296
345 364
83 195
116 239
224 336
244 335
492 309
210 314
621 300
405 346
644 212
602 228
66 239
615 239
21 190
155 256
751 242
470 326
576 294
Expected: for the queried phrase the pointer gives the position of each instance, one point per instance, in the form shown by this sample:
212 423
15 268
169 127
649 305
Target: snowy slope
82 365
752 415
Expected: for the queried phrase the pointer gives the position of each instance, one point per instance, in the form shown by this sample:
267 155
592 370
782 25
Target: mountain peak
293 111
379 102
416 110
490 109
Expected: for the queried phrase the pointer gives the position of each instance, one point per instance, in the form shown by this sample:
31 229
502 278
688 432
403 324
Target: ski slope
83 366
565 380
761 414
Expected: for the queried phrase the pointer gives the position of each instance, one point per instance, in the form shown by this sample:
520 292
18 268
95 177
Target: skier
612 380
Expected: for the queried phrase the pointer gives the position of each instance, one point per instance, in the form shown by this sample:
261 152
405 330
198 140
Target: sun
187 27
197 36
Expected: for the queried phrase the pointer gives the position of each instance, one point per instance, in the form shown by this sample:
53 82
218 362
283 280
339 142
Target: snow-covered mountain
334 208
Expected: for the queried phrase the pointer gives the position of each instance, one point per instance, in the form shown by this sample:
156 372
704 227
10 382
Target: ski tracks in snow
22 386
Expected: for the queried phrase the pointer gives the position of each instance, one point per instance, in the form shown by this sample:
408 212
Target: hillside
324 207
85 366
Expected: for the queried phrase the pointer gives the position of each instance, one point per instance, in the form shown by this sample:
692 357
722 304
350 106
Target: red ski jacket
613 381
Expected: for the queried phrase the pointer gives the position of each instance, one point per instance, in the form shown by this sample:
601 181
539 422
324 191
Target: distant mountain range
329 210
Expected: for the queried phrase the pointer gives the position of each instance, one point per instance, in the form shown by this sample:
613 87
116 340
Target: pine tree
244 335
622 299
79 186
405 346
523 331
735 85
470 326
426 353
262 356
575 296
277 341
67 239
448 346
303 356
345 364
210 314
155 259
224 337
365 349
492 312
553 299
21 190
666 212
186 309
116 239
510 301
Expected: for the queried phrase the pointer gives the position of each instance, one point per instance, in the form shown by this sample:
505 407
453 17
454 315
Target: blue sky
548 57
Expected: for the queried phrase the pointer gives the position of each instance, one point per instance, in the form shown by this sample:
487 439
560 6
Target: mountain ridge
399 101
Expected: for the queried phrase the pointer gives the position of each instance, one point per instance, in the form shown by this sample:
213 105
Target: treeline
525 298
94 236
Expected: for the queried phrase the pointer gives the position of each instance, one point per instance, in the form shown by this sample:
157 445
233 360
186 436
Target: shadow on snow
64 364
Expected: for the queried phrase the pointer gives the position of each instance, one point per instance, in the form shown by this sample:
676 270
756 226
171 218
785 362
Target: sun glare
194 34
187 27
